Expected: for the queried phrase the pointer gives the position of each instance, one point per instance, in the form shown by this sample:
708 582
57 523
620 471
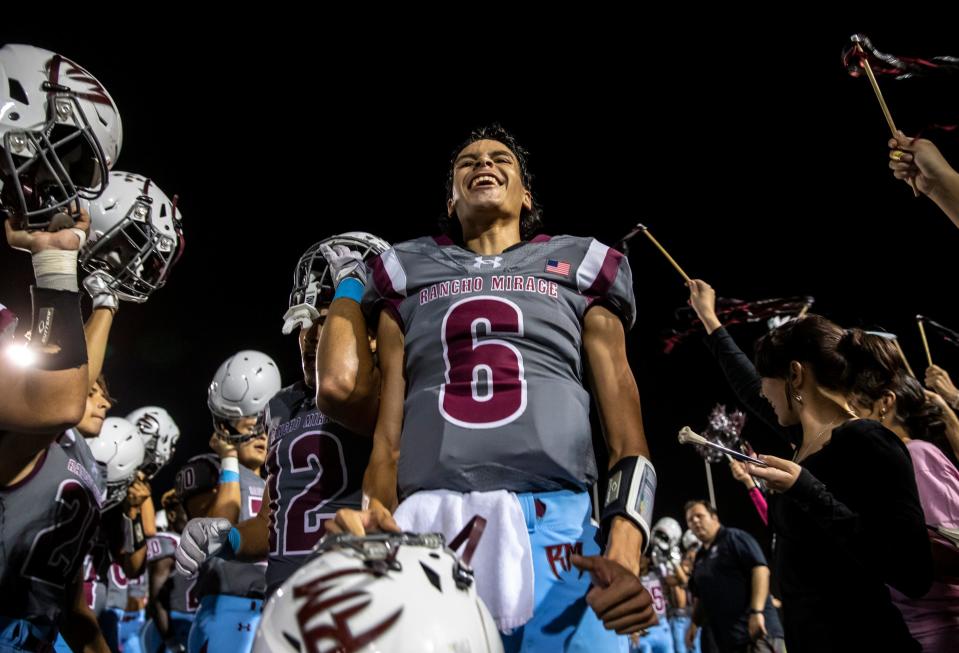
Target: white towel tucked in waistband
503 561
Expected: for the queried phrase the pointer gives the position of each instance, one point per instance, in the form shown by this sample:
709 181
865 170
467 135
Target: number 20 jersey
494 368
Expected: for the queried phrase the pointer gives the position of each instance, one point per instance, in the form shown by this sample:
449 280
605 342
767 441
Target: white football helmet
665 554
60 134
385 592
242 387
312 282
689 540
160 434
119 447
667 533
135 236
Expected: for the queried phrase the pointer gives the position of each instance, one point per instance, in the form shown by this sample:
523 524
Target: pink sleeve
938 483
760 502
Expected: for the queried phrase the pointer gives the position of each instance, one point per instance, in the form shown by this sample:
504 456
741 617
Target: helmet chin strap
226 431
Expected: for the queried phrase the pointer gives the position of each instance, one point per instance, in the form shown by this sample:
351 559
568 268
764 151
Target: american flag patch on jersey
557 267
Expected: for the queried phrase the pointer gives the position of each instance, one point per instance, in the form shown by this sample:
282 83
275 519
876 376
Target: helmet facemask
45 169
134 251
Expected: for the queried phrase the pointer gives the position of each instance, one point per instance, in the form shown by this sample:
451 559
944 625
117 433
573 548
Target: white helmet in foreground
385 592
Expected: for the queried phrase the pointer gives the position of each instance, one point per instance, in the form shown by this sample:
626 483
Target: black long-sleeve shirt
851 524
746 384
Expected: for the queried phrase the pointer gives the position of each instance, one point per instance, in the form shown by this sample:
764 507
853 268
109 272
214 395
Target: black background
748 151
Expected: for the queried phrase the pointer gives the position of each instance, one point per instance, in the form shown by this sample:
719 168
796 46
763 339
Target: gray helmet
242 387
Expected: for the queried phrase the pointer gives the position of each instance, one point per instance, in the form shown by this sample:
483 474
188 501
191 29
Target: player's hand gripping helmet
312 281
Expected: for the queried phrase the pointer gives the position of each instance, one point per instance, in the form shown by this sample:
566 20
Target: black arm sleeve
746 383
879 517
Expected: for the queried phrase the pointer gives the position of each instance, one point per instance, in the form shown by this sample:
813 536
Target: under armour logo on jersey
241 627
494 262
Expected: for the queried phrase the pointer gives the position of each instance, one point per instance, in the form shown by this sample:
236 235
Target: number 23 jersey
494 371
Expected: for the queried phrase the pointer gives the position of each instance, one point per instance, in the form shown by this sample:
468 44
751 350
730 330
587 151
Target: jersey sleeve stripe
384 281
395 272
607 273
592 265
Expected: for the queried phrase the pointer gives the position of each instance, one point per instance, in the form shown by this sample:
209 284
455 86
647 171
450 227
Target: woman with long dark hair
845 512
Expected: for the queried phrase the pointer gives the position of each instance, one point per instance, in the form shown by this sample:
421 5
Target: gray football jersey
138 587
494 366
315 468
176 592
219 576
47 523
76 447
117 587
95 593
182 597
95 582
109 580
162 545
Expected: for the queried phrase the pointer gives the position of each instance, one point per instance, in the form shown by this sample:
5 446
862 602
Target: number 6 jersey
494 371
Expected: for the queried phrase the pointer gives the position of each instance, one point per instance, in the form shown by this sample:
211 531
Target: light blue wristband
234 539
226 476
350 288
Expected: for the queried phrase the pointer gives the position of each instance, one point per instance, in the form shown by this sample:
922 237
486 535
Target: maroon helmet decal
61 66
339 632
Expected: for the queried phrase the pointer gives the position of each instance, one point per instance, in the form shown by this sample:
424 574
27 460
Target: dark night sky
755 160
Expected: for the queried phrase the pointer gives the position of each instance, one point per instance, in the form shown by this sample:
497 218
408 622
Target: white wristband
81 234
230 464
56 269
55 261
